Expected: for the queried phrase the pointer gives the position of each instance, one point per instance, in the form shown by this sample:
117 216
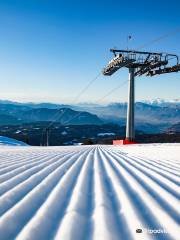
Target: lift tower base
123 142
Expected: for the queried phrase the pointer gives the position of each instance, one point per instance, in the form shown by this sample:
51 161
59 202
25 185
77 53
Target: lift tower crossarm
134 51
165 70
150 66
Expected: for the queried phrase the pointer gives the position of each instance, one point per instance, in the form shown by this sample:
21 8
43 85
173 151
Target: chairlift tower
139 63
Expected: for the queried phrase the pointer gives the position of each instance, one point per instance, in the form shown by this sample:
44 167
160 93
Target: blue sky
50 50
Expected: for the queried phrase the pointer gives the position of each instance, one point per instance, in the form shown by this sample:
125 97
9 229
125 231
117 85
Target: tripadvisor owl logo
138 230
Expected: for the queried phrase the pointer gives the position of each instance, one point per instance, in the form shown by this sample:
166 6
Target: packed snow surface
90 192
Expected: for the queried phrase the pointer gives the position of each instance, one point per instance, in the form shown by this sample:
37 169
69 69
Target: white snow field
90 192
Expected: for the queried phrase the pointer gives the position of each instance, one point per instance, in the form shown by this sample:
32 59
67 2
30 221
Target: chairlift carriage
139 63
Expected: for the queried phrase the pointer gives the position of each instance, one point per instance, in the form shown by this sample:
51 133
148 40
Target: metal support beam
133 51
130 133
175 68
47 137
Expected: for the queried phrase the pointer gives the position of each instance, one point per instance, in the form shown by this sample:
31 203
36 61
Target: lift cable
98 101
61 114
93 80
75 100
126 81
161 37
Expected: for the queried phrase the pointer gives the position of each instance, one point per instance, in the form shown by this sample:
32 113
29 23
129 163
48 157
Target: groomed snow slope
90 192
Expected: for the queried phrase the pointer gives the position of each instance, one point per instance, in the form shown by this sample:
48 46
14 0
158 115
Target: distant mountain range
150 116
175 103
14 114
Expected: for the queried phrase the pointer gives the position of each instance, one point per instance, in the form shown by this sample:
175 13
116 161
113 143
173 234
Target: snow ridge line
28 163
88 193
163 163
18 164
28 155
23 188
48 214
163 166
173 176
77 213
169 184
23 169
31 202
144 198
32 172
128 209
153 188
20 158
108 208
